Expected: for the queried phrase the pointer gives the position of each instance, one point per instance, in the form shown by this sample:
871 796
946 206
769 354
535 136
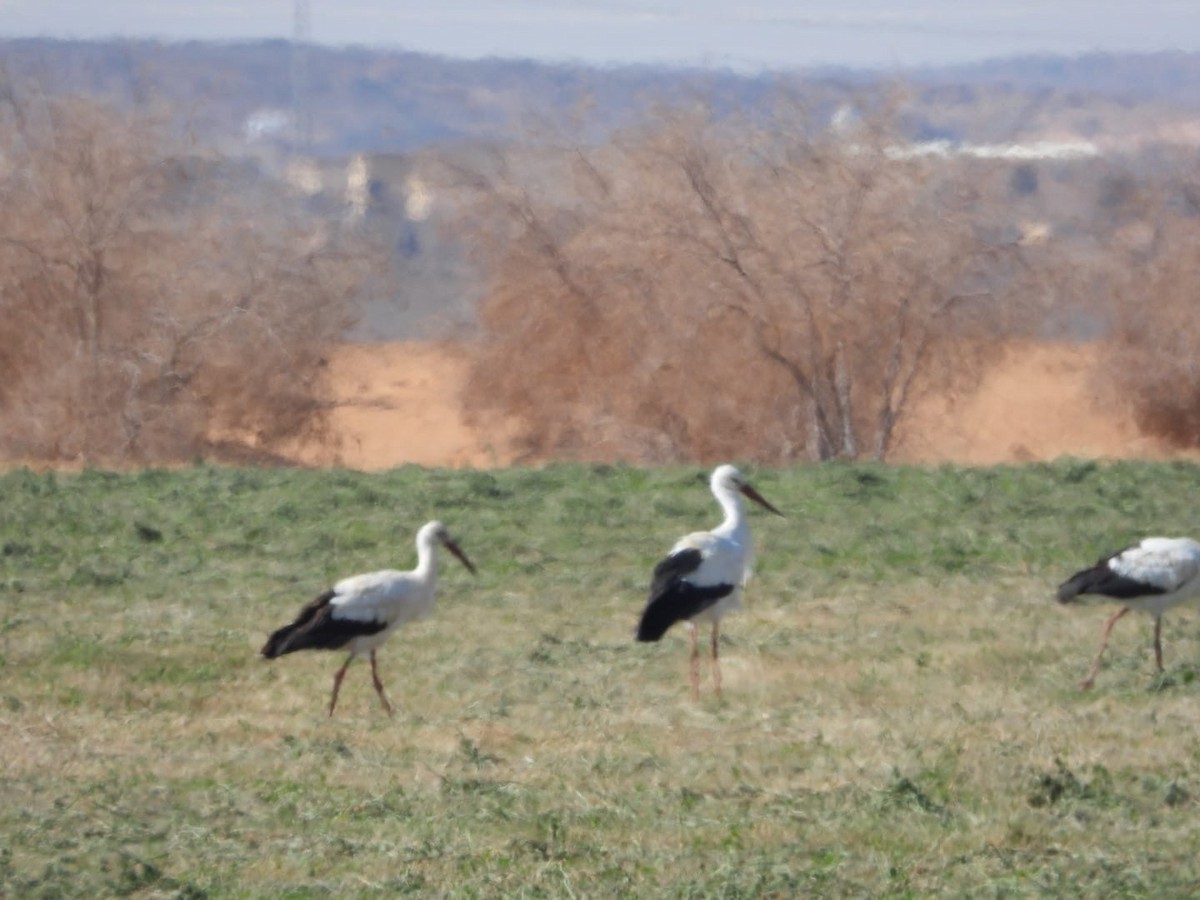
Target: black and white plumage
701 579
362 611
1151 576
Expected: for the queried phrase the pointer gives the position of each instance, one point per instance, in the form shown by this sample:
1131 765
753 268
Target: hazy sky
742 34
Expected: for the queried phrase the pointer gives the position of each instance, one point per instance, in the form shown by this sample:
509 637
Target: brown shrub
154 299
1152 357
703 289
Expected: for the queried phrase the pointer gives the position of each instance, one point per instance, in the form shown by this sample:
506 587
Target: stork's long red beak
462 557
759 499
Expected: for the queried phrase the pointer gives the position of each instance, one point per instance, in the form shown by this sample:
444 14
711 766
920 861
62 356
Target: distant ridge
368 100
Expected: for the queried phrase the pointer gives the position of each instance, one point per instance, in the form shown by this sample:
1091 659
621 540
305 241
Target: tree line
767 285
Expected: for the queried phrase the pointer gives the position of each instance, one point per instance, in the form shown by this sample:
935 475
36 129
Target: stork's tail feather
1083 582
279 642
297 635
654 622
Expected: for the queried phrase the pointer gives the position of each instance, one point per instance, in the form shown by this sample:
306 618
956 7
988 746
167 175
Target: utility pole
301 102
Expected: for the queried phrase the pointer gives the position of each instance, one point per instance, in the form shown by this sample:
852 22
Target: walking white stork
701 579
1151 576
362 611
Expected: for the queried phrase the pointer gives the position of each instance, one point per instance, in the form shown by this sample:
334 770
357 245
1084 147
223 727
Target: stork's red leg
694 664
716 660
1158 642
337 682
1108 627
379 685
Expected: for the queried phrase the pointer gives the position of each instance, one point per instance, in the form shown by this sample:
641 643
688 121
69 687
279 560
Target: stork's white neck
734 524
426 555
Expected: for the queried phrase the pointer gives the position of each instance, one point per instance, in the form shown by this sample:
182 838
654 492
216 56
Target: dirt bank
398 403
1037 403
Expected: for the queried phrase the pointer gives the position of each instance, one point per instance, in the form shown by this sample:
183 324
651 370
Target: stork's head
437 531
728 479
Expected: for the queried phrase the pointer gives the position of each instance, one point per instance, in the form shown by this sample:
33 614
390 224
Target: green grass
900 717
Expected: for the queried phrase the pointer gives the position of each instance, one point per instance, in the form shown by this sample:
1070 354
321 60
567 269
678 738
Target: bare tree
155 299
706 288
1151 263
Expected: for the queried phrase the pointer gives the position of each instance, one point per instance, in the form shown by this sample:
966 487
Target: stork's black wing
316 628
1103 580
673 598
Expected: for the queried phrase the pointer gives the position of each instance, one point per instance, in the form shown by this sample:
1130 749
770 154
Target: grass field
899 718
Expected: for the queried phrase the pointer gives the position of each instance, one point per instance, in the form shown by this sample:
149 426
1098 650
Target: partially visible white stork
1151 576
702 577
362 611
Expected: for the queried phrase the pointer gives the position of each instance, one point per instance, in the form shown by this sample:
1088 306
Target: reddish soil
1037 403
399 404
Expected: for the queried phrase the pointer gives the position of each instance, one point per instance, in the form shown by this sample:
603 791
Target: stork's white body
1169 564
726 557
1151 576
389 596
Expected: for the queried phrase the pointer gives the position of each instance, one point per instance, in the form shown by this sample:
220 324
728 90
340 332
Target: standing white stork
703 575
362 611
1151 576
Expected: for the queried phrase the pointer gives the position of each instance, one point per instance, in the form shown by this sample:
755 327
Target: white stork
362 611
702 577
1151 576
